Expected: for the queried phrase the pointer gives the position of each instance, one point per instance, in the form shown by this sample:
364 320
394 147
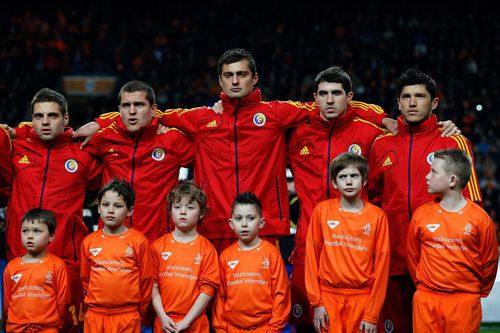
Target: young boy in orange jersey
116 269
36 284
185 266
254 294
347 253
452 251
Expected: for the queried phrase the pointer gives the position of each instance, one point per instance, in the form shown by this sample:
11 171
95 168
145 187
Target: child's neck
452 201
185 236
115 231
250 245
353 205
34 257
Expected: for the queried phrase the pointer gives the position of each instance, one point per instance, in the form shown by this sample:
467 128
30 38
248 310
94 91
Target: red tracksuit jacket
5 163
312 147
150 163
242 149
398 166
51 176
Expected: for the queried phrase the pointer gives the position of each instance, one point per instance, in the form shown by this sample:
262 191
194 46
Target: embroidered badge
71 166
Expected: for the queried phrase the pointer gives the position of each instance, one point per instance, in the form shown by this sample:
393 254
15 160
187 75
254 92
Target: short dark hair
121 187
41 216
346 160
133 86
235 55
412 77
191 191
333 74
49 95
247 198
457 162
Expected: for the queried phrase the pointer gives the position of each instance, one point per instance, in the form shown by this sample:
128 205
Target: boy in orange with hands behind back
186 266
452 251
36 284
116 270
255 291
347 254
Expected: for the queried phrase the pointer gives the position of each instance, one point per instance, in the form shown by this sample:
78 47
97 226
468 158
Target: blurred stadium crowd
175 47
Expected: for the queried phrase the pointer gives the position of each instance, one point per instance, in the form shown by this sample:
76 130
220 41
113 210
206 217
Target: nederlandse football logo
332 224
259 119
355 149
16 277
166 255
158 154
49 277
95 251
233 263
432 227
71 165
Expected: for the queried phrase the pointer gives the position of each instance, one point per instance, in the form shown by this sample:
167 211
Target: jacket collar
62 138
339 122
247 102
427 126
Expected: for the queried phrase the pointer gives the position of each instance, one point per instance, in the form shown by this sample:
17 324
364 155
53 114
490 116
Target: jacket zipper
236 148
133 165
328 161
45 176
409 174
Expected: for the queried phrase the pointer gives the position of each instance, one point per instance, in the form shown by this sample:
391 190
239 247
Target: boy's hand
366 327
10 130
167 324
321 321
448 128
182 325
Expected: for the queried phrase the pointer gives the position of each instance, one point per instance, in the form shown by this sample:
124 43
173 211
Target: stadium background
175 47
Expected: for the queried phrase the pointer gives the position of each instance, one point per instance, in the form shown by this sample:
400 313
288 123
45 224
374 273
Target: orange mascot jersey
254 292
36 294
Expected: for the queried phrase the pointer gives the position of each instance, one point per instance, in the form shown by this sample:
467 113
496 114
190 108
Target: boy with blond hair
36 284
347 253
255 290
452 251
185 266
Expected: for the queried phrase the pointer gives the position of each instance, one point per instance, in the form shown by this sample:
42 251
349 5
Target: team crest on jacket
430 158
166 255
95 250
233 263
355 148
16 277
158 154
71 165
48 277
259 119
